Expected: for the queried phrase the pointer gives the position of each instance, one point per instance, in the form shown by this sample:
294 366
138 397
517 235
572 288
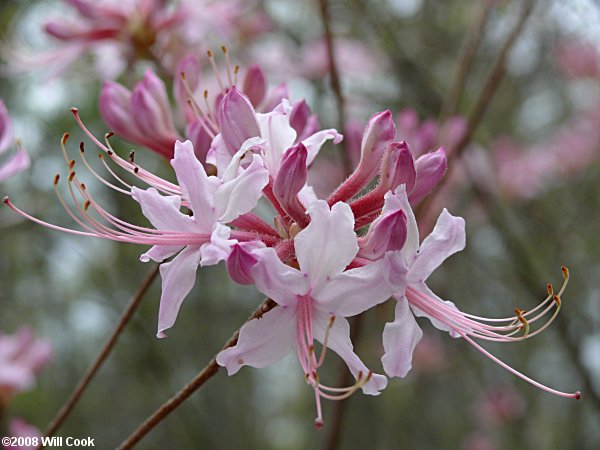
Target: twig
67 408
465 59
336 84
203 376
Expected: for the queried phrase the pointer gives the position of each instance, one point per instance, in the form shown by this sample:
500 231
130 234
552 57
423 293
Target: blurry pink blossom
22 356
499 406
19 160
20 429
578 59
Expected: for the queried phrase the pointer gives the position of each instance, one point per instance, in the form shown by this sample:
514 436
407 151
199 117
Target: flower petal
18 162
314 143
355 290
400 338
276 130
339 341
196 186
163 211
6 131
263 341
442 322
447 238
276 280
219 247
178 278
328 244
159 253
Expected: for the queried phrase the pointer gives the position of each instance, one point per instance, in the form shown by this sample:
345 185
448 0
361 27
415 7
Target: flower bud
237 120
386 233
115 108
291 176
255 85
378 134
196 132
397 167
430 169
240 263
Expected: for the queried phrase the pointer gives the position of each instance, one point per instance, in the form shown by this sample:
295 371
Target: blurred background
527 184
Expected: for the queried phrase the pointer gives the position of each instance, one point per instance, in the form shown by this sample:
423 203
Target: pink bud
115 108
430 169
291 176
299 116
237 120
380 132
196 132
255 85
59 30
240 263
397 167
386 233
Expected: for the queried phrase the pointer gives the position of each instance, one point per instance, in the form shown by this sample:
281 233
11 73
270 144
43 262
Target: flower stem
126 316
202 377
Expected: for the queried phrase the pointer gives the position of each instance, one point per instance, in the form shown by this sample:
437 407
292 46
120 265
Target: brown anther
315 376
86 205
205 93
550 289
101 155
565 272
56 178
131 156
236 69
182 75
83 186
311 349
209 53
109 134
71 164
65 138
331 321
360 375
6 199
110 152
81 147
136 169
556 298
71 176
369 375
224 49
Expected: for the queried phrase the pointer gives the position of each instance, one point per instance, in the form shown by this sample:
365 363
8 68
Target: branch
336 84
126 316
203 376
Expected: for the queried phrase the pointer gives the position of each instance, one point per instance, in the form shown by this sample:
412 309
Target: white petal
328 244
219 247
263 341
276 130
276 280
163 211
447 238
178 278
159 253
442 322
399 201
400 338
314 143
339 341
356 290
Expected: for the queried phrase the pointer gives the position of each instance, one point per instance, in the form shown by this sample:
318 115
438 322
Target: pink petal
275 129
400 338
255 85
328 244
163 211
15 164
447 238
339 341
6 132
263 341
430 168
219 247
237 120
276 280
314 143
178 278
442 322
159 253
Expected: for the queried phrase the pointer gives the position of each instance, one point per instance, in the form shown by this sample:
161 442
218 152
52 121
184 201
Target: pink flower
19 428
419 261
19 161
314 300
22 357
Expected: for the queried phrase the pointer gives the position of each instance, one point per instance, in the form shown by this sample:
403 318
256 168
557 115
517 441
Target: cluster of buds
320 260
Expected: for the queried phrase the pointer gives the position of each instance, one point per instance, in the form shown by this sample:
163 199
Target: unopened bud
378 134
397 167
240 263
255 85
237 120
430 170
387 233
292 175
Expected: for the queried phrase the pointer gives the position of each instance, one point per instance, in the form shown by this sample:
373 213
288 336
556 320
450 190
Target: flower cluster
321 260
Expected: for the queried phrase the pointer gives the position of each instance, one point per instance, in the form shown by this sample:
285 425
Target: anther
6 200
65 138
556 298
81 147
131 156
565 272
550 289
311 349
224 49
71 176
86 205
71 164
136 169
83 186
209 53
577 395
369 375
110 152
109 134
319 423
74 110
182 75
56 178
360 375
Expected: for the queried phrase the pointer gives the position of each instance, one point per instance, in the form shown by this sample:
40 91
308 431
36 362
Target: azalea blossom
22 357
19 161
419 260
314 300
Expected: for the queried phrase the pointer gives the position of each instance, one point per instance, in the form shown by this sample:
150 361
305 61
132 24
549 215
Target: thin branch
203 376
336 84
465 59
126 316
492 82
